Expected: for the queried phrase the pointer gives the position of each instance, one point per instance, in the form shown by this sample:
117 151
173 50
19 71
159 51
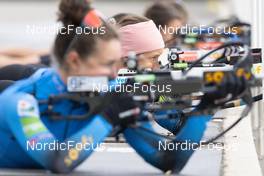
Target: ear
73 61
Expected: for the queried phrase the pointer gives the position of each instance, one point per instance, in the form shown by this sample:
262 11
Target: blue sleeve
22 117
169 119
167 155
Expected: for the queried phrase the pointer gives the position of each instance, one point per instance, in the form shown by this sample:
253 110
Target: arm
167 155
22 117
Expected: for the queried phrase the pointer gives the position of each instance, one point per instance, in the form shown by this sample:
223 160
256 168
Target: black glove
229 89
122 111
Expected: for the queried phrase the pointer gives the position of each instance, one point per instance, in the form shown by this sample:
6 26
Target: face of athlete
102 63
149 60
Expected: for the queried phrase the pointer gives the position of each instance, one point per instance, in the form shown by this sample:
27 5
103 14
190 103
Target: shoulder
26 85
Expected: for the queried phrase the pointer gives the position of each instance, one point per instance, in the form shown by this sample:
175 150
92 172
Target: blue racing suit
25 133
22 127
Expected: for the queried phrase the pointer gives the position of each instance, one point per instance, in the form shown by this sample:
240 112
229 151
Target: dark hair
72 12
162 12
124 19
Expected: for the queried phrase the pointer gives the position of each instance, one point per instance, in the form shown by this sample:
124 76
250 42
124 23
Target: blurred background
16 16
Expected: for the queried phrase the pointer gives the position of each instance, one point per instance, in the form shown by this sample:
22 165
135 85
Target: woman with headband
140 35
